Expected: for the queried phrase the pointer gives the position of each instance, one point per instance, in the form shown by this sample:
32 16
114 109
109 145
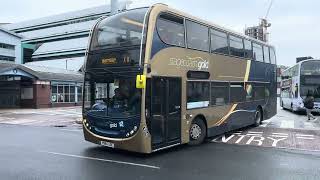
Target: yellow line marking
227 115
246 77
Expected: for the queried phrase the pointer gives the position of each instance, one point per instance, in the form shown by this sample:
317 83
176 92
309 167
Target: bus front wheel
258 117
197 132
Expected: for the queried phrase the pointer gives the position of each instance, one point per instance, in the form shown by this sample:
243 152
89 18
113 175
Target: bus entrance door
165 111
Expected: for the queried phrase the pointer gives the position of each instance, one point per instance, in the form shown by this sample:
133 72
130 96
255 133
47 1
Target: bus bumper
140 142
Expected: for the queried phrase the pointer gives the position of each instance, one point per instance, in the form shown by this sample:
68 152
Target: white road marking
306 135
305 138
272 135
287 124
104 160
254 132
281 134
71 130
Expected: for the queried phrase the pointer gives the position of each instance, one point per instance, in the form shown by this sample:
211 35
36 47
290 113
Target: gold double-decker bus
156 77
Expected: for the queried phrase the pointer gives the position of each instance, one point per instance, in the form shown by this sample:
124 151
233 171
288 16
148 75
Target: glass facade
67 93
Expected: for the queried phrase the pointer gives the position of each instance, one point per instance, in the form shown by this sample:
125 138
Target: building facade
49 53
10 47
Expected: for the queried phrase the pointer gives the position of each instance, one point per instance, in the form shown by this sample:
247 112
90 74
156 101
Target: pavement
58 117
47 153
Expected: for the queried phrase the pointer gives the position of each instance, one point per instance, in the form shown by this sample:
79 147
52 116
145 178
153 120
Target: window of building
219 93
236 46
197 36
257 52
219 42
237 92
63 93
7 46
7 58
171 30
79 93
247 49
266 54
198 94
272 56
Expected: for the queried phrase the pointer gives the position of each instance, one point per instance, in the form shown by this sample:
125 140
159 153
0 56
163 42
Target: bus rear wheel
258 117
197 132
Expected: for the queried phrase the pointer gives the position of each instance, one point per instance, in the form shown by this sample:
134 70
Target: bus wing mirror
141 81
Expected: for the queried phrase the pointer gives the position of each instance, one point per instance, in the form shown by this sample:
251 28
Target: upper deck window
123 29
219 42
272 56
266 54
257 52
236 46
171 29
247 49
197 36
311 67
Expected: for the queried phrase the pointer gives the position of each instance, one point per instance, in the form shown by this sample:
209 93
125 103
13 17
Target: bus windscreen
124 29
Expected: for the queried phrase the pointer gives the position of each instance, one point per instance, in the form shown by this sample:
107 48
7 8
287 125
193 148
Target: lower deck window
219 93
198 95
204 94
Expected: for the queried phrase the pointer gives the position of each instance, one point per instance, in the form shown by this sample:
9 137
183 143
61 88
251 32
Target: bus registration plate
108 144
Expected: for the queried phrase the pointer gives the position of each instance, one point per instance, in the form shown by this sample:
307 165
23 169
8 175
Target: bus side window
198 94
236 46
272 56
219 42
258 91
197 36
219 93
266 54
247 49
171 30
257 52
237 92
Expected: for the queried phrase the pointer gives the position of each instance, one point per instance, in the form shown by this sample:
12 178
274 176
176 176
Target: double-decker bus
156 77
297 81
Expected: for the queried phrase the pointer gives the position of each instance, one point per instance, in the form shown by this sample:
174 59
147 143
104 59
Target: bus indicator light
141 81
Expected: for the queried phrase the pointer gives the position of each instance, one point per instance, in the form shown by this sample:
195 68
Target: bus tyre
257 117
197 132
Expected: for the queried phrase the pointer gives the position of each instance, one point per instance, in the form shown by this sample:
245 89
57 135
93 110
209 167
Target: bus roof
178 12
299 63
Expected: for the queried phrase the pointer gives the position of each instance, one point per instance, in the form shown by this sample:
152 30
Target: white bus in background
296 81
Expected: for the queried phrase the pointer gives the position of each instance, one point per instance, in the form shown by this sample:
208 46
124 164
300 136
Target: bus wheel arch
198 130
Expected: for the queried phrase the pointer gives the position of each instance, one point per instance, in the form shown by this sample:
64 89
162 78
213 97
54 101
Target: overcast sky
294 31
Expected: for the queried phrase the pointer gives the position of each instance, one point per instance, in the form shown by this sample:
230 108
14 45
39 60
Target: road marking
254 132
306 135
104 160
280 134
305 138
71 130
287 124
236 133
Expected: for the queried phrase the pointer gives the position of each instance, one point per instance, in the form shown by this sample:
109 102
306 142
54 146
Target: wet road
53 153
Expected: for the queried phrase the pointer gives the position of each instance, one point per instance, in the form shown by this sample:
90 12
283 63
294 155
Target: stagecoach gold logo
190 62
109 61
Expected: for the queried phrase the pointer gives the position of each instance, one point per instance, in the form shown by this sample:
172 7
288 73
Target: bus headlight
301 105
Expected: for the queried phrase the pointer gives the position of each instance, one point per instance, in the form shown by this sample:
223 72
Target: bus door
165 120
